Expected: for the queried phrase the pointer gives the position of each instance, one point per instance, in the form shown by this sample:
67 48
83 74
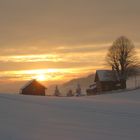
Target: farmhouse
33 87
106 80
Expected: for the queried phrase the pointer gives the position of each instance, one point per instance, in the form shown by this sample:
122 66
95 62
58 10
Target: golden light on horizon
42 74
50 74
40 77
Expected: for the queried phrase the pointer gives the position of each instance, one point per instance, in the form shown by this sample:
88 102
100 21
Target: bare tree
122 58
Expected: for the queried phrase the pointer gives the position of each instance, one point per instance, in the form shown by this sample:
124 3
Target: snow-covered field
103 117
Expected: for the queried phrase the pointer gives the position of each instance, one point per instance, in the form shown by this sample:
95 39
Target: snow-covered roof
29 82
106 75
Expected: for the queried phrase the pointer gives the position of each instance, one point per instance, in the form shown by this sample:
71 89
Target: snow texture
103 117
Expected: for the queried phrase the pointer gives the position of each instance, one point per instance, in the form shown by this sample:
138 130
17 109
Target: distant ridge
72 84
83 81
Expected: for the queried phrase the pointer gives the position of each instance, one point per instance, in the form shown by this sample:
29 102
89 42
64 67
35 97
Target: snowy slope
104 117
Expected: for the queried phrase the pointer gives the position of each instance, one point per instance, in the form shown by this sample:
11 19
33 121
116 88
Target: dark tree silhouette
70 93
78 90
56 92
122 58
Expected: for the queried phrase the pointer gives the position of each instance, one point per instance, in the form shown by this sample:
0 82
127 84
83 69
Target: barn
106 80
33 87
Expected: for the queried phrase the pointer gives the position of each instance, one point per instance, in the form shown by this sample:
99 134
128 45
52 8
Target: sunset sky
58 40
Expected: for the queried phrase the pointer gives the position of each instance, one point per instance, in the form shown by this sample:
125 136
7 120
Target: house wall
105 86
34 89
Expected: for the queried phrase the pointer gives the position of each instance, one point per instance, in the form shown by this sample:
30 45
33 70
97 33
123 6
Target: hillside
132 83
104 117
72 84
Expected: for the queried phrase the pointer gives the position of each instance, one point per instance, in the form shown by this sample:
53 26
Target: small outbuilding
33 87
92 90
106 80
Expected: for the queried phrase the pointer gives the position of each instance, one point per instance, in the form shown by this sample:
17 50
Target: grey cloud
44 65
65 22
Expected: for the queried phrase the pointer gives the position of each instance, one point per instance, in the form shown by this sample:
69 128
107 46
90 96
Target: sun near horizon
56 41
41 77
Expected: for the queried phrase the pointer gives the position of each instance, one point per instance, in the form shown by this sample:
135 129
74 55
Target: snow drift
103 117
